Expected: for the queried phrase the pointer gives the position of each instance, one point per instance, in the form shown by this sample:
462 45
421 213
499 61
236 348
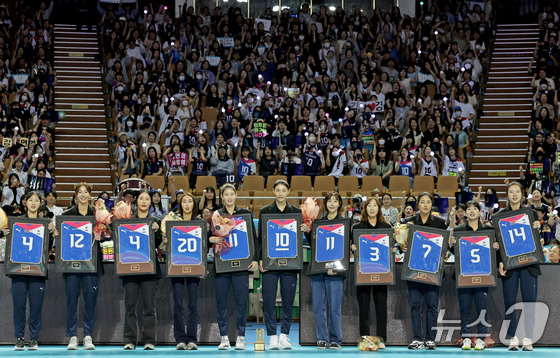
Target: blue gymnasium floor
297 350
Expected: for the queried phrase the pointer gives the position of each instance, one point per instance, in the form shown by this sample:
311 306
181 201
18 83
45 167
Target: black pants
380 301
134 287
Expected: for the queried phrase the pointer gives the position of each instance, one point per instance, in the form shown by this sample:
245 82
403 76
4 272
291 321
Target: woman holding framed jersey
288 279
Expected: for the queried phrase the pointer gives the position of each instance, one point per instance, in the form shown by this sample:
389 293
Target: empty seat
447 186
272 179
182 182
253 182
372 184
300 183
348 184
398 184
423 183
324 184
203 182
156 181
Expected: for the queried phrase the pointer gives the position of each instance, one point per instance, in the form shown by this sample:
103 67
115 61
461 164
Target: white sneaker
466 344
224 345
240 343
73 344
88 343
284 342
273 343
381 345
479 345
513 344
148 347
181 346
129 346
527 344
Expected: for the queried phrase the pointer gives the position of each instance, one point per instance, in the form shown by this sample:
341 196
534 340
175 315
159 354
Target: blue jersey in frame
76 241
425 252
134 242
238 241
186 245
27 243
374 254
282 238
329 243
517 235
475 256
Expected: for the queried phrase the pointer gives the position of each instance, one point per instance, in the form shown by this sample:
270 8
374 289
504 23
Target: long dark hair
328 197
214 199
365 218
194 210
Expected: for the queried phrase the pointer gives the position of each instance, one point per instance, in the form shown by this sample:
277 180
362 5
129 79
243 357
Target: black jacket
433 221
236 211
73 211
535 269
312 238
273 209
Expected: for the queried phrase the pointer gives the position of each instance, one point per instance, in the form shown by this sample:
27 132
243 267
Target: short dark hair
329 196
425 194
472 203
51 192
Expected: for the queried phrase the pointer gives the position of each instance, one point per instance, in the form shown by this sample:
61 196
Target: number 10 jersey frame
282 241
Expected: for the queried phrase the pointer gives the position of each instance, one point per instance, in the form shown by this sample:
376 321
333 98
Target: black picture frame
369 277
238 264
479 279
141 266
337 265
186 270
76 266
282 263
512 259
412 271
13 264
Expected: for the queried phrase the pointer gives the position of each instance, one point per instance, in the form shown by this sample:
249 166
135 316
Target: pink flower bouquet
122 210
222 227
103 219
309 212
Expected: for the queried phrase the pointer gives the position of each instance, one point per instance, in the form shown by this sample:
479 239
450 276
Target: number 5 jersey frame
514 255
15 263
138 265
290 261
481 273
65 263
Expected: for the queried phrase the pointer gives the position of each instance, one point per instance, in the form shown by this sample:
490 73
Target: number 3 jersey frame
293 260
381 270
135 262
186 265
423 269
86 259
36 264
516 255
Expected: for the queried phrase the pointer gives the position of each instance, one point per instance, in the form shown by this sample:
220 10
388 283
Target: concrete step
102 144
499 157
505 146
81 163
85 154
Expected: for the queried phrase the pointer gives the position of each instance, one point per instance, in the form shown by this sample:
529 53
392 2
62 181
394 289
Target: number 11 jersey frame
242 248
525 251
138 256
76 249
27 247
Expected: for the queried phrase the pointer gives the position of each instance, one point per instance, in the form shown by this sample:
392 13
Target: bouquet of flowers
3 219
172 216
401 235
222 227
369 343
122 210
103 220
309 212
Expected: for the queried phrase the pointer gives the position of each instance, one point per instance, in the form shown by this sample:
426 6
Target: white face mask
229 101
382 142
296 48
481 29
425 39
129 123
24 98
323 128
458 114
120 88
327 45
312 139
478 47
250 100
181 78
41 99
301 37
192 93
185 103
198 77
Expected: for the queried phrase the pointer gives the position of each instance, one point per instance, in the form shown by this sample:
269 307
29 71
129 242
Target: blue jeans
192 308
480 295
329 289
240 284
24 287
529 288
418 293
288 282
74 284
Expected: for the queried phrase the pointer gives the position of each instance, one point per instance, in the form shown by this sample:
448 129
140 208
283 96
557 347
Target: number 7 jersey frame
286 253
76 249
186 248
424 258
130 260
27 247
525 251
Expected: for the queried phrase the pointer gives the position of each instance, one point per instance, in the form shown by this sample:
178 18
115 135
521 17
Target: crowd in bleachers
27 77
303 91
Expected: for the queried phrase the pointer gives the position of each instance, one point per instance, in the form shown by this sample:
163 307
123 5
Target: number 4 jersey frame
380 273
481 271
286 221
179 265
85 248
238 259
322 229
135 262
16 263
418 269
514 256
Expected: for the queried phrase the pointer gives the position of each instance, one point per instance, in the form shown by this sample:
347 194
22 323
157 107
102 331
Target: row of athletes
327 289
